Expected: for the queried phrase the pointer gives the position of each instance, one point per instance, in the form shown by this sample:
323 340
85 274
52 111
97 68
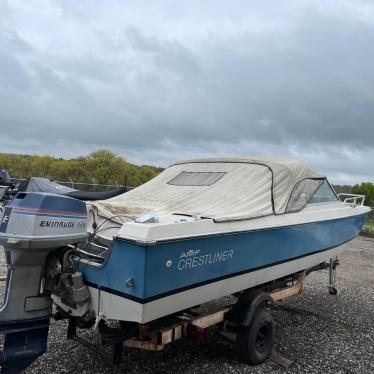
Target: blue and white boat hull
144 280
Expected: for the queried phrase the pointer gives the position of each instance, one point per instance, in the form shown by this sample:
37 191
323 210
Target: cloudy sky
159 81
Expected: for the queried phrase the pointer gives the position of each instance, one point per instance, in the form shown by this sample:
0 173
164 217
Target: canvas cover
222 189
36 184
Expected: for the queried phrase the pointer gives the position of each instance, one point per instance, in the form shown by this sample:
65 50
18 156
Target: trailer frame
192 324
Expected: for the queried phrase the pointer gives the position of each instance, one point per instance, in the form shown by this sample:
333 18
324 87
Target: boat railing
352 199
83 185
94 252
91 186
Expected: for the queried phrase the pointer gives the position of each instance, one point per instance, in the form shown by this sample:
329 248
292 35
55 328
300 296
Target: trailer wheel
255 342
333 291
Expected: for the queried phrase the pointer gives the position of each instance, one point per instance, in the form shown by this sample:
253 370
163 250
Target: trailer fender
247 306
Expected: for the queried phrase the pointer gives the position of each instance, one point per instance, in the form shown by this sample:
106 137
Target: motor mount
32 226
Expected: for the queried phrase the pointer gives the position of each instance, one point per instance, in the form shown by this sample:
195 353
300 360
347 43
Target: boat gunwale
153 242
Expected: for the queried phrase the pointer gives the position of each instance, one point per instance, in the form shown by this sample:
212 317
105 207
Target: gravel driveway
318 332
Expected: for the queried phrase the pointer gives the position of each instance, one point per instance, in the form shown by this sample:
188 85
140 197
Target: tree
42 166
106 167
102 167
367 189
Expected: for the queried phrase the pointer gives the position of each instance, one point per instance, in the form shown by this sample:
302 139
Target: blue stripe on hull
166 267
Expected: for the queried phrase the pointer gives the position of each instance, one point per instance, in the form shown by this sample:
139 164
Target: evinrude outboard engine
33 226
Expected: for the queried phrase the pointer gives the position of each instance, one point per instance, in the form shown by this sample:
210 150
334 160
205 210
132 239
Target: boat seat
91 196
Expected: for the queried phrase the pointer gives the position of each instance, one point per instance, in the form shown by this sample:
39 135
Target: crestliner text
192 259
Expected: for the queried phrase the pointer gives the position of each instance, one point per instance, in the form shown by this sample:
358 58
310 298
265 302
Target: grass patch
368 229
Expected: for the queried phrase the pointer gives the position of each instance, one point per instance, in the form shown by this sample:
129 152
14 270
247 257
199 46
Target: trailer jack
332 265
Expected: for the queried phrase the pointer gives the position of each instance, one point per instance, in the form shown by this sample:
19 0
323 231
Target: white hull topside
176 226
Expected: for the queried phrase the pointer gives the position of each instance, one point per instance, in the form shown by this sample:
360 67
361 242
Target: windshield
324 194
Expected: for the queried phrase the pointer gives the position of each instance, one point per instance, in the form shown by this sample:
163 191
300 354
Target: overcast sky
159 81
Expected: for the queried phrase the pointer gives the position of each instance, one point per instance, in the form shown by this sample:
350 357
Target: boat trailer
236 321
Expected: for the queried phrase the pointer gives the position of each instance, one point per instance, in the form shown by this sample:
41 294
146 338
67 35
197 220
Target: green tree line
102 166
367 189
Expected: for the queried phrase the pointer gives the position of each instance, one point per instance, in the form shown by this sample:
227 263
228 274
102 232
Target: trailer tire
255 342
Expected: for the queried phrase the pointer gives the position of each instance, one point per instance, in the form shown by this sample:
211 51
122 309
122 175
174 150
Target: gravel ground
318 332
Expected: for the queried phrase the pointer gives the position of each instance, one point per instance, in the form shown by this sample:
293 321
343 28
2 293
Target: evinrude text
65 224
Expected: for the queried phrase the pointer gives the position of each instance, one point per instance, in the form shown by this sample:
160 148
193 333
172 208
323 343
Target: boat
38 184
9 189
200 230
208 228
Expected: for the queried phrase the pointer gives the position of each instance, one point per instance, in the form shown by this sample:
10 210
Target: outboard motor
33 226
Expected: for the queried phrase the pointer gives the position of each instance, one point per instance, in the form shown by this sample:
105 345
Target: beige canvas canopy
223 189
